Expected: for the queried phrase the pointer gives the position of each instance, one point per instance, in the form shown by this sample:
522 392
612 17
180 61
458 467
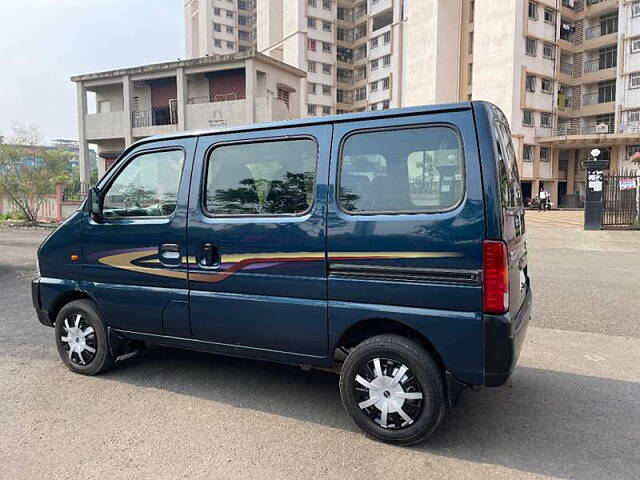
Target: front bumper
43 315
503 338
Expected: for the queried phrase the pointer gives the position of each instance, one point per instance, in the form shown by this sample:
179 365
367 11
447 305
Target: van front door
133 255
257 266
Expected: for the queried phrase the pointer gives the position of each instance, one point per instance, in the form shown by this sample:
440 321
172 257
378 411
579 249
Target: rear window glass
411 170
510 191
262 178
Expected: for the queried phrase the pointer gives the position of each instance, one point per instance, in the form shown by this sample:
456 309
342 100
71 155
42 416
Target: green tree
28 172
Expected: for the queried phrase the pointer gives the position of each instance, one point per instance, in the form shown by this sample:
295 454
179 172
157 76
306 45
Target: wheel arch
66 298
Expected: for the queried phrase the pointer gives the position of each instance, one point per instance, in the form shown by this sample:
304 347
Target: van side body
340 268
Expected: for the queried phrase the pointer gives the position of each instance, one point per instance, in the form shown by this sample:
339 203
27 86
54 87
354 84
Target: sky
45 42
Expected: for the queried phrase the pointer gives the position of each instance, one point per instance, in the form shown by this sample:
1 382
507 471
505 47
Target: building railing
583 129
629 127
345 77
566 67
590 98
155 116
592 32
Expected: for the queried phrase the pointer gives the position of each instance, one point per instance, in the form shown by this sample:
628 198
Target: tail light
495 276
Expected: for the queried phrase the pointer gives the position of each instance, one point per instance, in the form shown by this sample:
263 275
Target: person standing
542 205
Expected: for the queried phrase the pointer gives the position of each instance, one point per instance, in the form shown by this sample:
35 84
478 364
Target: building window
312 45
549 16
361 94
326 47
472 10
528 154
217 11
469 73
531 83
635 45
217 43
373 86
326 110
311 88
229 14
374 107
470 47
634 80
546 86
374 64
231 45
635 9
326 69
527 118
533 11
385 83
311 22
386 37
385 105
312 3
326 4
545 154
374 43
311 109
229 29
284 96
217 27
545 120
549 51
532 46
311 66
633 116
386 60
632 150
326 26
326 90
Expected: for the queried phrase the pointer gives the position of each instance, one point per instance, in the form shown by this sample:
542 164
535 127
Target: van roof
303 122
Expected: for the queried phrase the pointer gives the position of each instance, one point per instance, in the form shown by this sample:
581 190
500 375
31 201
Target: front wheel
393 389
81 338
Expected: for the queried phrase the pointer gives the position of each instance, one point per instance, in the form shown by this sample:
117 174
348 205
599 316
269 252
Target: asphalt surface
571 409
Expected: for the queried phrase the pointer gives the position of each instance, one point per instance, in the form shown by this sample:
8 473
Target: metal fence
621 200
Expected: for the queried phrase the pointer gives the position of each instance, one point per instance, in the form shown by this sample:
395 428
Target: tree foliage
28 171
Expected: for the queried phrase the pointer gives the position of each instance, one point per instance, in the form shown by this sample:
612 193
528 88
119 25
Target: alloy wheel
79 339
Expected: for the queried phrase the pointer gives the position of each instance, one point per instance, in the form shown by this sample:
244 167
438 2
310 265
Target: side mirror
94 203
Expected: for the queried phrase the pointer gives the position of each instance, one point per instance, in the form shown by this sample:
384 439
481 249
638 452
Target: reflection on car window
267 178
147 187
402 170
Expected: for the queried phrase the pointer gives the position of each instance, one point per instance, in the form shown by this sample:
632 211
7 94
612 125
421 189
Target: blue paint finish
454 334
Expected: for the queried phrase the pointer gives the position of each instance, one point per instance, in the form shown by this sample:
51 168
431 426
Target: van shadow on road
545 422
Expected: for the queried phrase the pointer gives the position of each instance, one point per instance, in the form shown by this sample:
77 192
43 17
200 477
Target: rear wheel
393 389
81 338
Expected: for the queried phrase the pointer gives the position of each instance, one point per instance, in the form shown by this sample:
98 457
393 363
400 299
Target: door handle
169 255
210 255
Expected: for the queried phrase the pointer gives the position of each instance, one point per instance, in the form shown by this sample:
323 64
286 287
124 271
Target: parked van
388 245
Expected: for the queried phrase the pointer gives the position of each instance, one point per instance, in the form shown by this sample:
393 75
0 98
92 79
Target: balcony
345 76
583 129
155 117
600 64
566 68
596 98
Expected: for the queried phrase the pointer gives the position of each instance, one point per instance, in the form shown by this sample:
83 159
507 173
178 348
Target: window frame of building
386 60
634 81
311 66
635 9
312 88
472 11
327 47
326 26
361 94
373 86
217 27
549 51
326 90
530 115
386 83
533 11
258 143
549 85
373 43
530 83
635 44
546 120
546 157
326 110
470 73
229 29
231 45
230 14
312 3
386 38
531 47
470 45
326 69
386 104
217 12
217 42
632 150
311 109
429 134
528 154
312 44
312 23
633 115
326 4
549 16
373 65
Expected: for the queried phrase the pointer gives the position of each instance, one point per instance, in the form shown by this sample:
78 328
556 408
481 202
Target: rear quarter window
406 170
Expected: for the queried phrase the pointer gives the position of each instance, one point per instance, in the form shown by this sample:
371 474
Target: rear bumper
43 315
503 338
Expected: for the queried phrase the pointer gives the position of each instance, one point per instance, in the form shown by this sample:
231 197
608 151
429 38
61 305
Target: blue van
389 246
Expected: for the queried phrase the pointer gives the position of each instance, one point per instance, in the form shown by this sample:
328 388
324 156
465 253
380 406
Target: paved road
570 410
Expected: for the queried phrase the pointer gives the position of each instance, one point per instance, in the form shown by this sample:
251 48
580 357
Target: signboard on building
627 184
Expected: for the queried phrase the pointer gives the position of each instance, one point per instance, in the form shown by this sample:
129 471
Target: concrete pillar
571 168
59 195
127 88
397 43
181 82
250 88
85 166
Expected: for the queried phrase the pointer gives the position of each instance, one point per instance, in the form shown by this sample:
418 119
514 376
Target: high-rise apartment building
565 72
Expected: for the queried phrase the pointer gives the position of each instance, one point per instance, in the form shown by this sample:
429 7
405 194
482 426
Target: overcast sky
44 42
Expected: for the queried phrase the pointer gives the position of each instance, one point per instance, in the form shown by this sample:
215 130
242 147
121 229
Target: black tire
94 362
423 376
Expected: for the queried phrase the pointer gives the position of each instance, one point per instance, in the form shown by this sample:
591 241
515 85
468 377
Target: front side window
147 187
411 170
265 178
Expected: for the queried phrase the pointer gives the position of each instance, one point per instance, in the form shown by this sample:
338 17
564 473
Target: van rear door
512 208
